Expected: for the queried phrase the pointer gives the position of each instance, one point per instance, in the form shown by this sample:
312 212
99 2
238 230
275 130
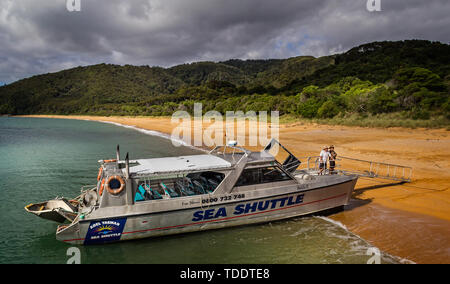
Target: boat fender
115 191
100 172
109 161
102 185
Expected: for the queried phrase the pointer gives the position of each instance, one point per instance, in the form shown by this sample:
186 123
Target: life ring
102 185
109 161
61 227
100 172
115 191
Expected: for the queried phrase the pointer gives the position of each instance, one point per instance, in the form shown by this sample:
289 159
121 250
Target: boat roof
177 164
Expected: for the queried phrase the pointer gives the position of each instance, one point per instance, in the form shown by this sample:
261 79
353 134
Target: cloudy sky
41 36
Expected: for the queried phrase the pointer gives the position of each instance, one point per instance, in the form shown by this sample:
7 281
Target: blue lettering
299 199
221 212
261 207
239 209
290 201
209 214
198 216
274 203
251 206
283 200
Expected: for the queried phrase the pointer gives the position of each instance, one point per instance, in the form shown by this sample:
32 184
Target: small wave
334 222
357 246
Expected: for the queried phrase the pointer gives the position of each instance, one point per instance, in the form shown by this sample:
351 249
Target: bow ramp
363 168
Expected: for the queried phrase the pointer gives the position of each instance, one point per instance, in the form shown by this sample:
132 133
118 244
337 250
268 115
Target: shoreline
425 150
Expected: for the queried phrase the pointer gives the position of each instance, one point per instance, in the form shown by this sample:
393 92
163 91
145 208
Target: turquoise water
44 158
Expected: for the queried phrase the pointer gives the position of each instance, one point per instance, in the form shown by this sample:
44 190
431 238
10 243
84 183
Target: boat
225 187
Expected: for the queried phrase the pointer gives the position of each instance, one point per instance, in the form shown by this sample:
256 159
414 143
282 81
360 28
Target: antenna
226 133
127 166
118 153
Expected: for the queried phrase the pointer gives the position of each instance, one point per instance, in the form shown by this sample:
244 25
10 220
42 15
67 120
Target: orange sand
427 151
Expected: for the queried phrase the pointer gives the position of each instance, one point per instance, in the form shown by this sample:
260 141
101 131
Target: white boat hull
241 211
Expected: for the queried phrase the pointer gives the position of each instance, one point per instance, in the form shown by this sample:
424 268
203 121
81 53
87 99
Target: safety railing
372 169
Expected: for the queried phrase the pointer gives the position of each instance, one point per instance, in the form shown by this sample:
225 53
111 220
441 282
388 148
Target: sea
44 158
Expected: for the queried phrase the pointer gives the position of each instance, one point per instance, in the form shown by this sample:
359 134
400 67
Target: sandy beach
410 220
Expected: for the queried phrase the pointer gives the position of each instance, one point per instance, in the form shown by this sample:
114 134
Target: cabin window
261 175
205 182
191 184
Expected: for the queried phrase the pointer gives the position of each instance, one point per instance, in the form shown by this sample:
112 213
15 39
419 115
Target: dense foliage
407 77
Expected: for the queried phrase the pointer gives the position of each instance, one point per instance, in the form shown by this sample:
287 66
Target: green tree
329 109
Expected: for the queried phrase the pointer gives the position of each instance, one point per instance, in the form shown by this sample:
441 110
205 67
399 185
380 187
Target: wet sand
410 220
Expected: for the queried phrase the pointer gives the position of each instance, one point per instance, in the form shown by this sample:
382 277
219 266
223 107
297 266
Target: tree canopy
411 77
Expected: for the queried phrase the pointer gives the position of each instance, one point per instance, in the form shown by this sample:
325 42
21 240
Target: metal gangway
364 168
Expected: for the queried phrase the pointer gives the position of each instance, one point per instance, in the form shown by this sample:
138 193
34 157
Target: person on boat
323 159
333 156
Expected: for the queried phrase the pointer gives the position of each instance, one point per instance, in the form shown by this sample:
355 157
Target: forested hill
411 77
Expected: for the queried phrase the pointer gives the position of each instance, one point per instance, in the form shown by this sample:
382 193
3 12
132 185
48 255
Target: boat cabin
224 170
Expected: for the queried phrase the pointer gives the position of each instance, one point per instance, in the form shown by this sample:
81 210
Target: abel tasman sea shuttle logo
105 231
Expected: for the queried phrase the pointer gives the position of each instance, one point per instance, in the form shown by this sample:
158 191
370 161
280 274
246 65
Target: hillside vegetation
404 80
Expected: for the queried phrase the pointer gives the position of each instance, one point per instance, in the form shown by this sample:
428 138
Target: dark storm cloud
42 36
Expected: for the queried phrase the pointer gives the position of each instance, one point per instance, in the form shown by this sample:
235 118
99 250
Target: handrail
381 163
374 169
